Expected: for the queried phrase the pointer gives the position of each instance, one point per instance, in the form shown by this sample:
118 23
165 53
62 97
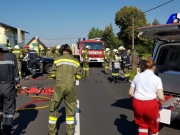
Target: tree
111 41
95 33
123 20
155 22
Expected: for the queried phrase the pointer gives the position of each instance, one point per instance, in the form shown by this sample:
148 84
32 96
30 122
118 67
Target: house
16 35
38 45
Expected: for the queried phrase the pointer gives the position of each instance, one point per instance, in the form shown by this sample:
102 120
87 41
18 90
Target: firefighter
86 62
56 53
8 78
126 64
41 53
115 66
66 70
32 60
49 53
106 60
9 49
19 57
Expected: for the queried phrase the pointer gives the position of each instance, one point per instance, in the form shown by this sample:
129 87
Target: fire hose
35 97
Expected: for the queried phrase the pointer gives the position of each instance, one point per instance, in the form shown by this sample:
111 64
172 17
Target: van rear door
165 32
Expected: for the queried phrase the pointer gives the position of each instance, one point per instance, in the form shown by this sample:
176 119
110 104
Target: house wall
1 30
12 35
34 41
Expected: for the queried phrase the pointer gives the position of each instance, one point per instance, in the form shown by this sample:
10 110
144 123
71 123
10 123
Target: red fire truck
96 51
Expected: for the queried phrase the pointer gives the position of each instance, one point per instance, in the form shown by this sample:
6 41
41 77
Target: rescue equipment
33 92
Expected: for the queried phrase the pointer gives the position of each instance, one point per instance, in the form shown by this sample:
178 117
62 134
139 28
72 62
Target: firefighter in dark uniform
19 57
126 64
8 78
32 60
66 70
116 64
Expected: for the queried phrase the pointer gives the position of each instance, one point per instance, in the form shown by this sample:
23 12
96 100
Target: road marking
77 119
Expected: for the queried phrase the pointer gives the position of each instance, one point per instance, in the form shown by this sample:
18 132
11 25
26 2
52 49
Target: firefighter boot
126 79
113 80
6 131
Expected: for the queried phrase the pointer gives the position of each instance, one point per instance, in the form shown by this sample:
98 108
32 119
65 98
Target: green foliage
132 74
155 22
111 41
95 33
123 19
53 50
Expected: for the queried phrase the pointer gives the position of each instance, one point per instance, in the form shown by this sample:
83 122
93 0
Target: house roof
37 41
5 25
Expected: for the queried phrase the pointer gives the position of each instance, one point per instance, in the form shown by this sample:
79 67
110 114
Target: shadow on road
23 120
61 119
123 103
126 127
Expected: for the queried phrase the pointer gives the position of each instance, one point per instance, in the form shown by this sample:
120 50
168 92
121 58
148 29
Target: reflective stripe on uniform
154 134
106 67
17 78
52 120
53 75
143 130
20 72
8 116
85 68
126 75
69 120
6 62
78 76
67 62
115 74
32 52
16 51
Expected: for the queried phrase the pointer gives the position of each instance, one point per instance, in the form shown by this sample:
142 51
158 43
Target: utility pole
132 31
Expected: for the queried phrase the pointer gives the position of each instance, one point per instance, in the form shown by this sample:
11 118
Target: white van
166 55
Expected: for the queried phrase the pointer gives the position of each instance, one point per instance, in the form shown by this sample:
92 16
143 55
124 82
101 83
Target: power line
153 9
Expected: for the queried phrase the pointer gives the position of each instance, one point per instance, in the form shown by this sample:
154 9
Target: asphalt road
105 109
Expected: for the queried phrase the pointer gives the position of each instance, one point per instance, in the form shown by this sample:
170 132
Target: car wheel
47 68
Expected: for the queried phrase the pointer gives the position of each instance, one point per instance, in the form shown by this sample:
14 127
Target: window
162 56
94 45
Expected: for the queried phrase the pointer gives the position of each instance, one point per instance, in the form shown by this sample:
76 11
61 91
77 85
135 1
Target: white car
166 55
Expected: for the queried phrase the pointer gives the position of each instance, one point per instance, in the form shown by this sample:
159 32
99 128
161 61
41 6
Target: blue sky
63 21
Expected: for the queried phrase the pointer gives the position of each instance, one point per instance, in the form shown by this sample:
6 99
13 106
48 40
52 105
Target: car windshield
94 45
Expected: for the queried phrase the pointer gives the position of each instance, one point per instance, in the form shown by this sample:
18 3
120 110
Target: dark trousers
7 106
32 66
115 74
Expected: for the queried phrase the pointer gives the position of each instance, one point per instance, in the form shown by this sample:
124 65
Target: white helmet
58 47
87 47
115 50
31 47
9 48
3 42
107 49
121 48
16 47
49 48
